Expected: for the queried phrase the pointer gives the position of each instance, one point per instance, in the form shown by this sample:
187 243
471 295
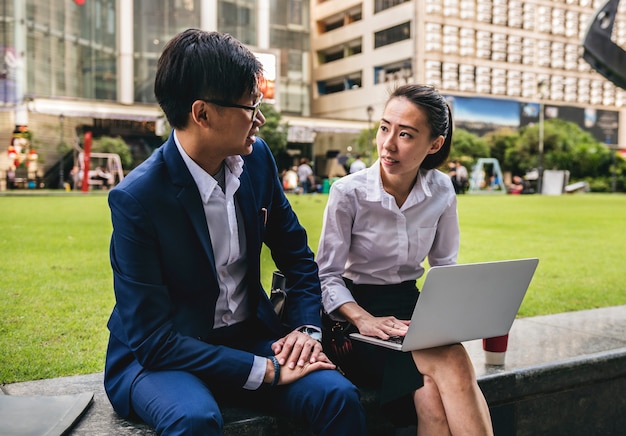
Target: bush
599 184
106 144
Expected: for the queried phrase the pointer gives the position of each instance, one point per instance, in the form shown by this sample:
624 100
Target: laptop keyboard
396 339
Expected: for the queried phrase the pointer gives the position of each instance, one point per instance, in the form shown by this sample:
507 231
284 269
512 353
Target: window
433 37
450 75
570 89
515 14
467 42
498 47
340 51
394 34
433 73
295 12
401 70
514 49
513 83
529 85
467 77
381 5
498 81
339 20
467 11
339 84
450 8
528 20
500 15
450 39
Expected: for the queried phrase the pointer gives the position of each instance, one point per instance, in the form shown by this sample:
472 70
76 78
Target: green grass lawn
56 282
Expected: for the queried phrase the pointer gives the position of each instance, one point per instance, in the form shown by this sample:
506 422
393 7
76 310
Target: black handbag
278 295
336 340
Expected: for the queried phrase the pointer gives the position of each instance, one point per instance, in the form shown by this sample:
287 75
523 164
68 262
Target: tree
564 144
273 131
467 148
501 140
365 143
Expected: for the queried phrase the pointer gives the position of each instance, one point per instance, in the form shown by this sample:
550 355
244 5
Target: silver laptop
464 302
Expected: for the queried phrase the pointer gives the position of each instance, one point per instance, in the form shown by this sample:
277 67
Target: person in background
102 175
519 185
305 176
379 227
357 165
458 176
192 329
452 175
290 179
462 177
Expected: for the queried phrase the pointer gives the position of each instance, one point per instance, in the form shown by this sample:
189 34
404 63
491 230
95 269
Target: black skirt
392 373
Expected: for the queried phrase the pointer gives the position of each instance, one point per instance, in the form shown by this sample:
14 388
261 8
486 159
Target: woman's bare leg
431 416
452 372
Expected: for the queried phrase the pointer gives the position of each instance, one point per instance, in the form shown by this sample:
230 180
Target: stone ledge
577 396
550 377
564 374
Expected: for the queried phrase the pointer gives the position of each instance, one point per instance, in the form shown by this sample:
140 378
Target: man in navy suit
192 326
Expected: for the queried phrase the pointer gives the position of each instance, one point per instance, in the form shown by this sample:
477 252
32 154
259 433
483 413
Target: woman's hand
383 326
370 325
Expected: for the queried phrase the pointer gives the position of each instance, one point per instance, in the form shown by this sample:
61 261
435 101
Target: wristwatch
313 332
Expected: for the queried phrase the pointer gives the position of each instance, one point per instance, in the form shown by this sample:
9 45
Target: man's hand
288 375
297 349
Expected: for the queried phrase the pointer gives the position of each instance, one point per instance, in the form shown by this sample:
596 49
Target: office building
495 60
76 65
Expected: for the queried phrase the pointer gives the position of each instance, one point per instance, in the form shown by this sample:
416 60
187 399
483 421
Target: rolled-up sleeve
333 250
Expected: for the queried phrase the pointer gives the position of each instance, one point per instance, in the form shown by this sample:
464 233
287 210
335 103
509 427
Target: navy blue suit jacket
164 271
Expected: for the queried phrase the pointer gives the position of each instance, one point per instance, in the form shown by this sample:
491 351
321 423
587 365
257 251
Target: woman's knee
450 360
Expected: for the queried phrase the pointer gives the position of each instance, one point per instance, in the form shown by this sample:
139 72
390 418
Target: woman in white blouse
379 226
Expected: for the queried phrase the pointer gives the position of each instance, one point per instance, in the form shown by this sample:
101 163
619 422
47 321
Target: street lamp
370 111
62 149
541 87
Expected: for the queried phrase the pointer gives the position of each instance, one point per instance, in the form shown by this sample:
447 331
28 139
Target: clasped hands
298 355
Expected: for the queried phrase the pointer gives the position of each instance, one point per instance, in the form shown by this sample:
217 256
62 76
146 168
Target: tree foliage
107 144
273 131
467 148
366 143
565 147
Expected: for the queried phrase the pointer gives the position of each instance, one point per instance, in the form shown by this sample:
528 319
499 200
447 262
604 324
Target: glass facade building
69 65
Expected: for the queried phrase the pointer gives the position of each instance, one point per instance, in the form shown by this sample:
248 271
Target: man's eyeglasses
254 108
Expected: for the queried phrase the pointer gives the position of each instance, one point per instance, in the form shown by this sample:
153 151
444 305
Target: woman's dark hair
195 65
439 118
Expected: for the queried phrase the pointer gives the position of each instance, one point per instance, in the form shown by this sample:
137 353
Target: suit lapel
247 204
189 197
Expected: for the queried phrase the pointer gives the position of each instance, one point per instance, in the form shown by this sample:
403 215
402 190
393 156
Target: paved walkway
533 342
544 339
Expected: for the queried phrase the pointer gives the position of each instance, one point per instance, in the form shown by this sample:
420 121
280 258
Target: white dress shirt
228 241
367 238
